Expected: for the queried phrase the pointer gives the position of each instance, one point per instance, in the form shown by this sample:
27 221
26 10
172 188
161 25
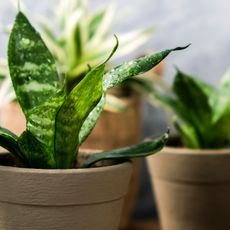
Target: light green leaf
91 120
76 108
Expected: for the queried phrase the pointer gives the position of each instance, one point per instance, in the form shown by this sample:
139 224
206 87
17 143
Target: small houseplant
191 177
45 188
79 39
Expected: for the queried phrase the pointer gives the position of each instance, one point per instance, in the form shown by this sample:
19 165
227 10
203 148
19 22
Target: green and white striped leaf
32 67
41 125
140 150
76 108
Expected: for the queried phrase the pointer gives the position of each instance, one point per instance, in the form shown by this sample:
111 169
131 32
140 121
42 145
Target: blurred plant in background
202 110
80 39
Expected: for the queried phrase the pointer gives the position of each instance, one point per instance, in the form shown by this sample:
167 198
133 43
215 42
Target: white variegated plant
80 39
57 120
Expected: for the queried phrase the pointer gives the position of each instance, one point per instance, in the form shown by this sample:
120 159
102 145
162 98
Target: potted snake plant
191 176
80 38
43 181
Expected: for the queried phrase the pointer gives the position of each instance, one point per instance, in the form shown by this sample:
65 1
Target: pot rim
66 171
188 151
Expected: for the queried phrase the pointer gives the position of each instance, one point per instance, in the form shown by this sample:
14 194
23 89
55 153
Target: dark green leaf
77 106
141 150
31 65
135 67
8 140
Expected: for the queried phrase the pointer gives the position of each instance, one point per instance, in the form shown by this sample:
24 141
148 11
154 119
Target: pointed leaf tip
113 50
181 47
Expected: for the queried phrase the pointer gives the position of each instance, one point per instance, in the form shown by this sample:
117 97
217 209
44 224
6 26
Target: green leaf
35 154
76 108
188 135
31 65
140 150
41 126
9 141
193 104
135 67
91 120
117 76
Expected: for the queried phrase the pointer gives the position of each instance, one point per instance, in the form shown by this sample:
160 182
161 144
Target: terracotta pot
192 188
86 199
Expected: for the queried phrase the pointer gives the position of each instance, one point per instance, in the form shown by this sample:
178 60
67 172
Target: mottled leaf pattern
58 122
117 76
41 124
35 153
140 150
133 68
32 67
77 106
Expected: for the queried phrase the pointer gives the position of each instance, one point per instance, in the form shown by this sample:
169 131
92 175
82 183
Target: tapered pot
84 199
192 188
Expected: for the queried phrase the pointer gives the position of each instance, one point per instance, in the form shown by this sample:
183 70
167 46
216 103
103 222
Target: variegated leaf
35 152
32 67
118 75
135 67
76 108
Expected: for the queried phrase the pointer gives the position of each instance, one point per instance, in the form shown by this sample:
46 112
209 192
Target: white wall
204 23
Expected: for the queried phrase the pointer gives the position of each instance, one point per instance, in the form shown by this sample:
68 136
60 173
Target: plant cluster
58 121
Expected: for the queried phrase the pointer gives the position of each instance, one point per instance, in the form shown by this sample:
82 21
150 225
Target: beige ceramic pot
192 188
81 199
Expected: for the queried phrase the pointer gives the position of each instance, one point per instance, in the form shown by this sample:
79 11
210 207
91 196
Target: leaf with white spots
135 67
32 67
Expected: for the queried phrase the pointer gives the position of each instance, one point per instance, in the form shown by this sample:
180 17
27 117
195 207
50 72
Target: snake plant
59 121
202 110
